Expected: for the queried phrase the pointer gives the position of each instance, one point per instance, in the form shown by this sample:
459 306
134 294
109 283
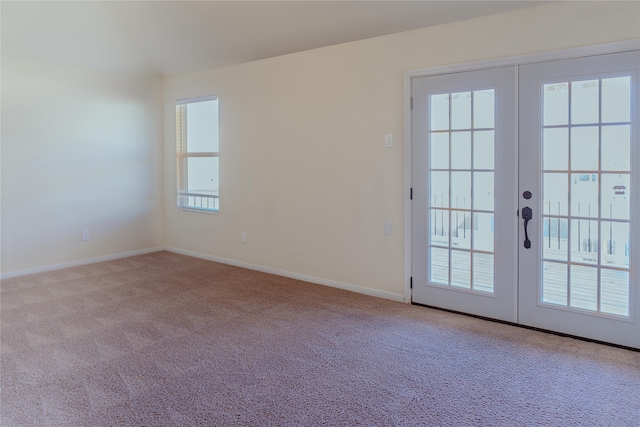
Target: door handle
527 214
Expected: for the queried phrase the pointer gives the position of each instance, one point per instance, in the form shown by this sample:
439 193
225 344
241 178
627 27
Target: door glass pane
555 194
483 231
616 148
584 102
483 272
461 190
584 287
616 99
555 235
439 182
615 196
584 148
584 194
483 149
439 266
614 290
439 227
615 244
483 191
554 277
555 104
439 154
584 241
461 230
439 112
483 109
555 149
461 269
461 150
461 110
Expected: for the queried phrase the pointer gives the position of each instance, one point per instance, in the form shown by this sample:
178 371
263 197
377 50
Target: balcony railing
199 201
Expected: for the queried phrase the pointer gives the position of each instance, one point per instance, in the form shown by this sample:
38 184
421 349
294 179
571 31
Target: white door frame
600 49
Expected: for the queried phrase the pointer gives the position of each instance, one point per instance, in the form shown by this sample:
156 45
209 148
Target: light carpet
168 340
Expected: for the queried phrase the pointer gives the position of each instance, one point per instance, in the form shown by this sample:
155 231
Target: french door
464 187
525 195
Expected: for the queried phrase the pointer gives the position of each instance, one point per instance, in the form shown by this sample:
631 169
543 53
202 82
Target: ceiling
163 38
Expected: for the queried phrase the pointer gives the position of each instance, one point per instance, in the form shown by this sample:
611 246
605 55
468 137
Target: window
198 154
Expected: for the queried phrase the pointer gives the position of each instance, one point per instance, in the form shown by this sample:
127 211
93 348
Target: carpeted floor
167 340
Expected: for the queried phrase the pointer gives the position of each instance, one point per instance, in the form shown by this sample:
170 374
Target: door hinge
411 193
410 282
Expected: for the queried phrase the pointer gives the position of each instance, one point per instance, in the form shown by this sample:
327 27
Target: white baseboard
261 268
297 276
52 267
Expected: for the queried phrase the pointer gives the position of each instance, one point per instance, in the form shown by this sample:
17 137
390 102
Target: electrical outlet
243 236
85 234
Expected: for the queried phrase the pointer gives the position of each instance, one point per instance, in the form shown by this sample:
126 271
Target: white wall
303 167
80 149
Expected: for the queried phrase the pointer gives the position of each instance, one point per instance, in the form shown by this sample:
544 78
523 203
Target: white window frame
197 202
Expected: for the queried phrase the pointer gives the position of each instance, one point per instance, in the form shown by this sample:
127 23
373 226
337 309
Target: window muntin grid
586 175
461 191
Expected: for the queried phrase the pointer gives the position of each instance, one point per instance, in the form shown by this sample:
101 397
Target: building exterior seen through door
525 194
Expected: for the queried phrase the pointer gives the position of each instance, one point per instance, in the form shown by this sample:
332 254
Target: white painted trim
600 49
516 200
408 182
205 98
554 55
60 266
289 274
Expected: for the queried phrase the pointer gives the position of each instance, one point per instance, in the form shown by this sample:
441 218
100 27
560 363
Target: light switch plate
388 228
388 140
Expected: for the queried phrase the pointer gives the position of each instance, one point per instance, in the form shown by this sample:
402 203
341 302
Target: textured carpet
167 340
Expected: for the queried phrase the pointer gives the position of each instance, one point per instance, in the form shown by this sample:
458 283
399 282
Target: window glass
198 160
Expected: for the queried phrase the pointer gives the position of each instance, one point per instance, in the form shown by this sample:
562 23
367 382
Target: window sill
197 210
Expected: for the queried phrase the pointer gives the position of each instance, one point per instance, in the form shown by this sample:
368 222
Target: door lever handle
527 214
